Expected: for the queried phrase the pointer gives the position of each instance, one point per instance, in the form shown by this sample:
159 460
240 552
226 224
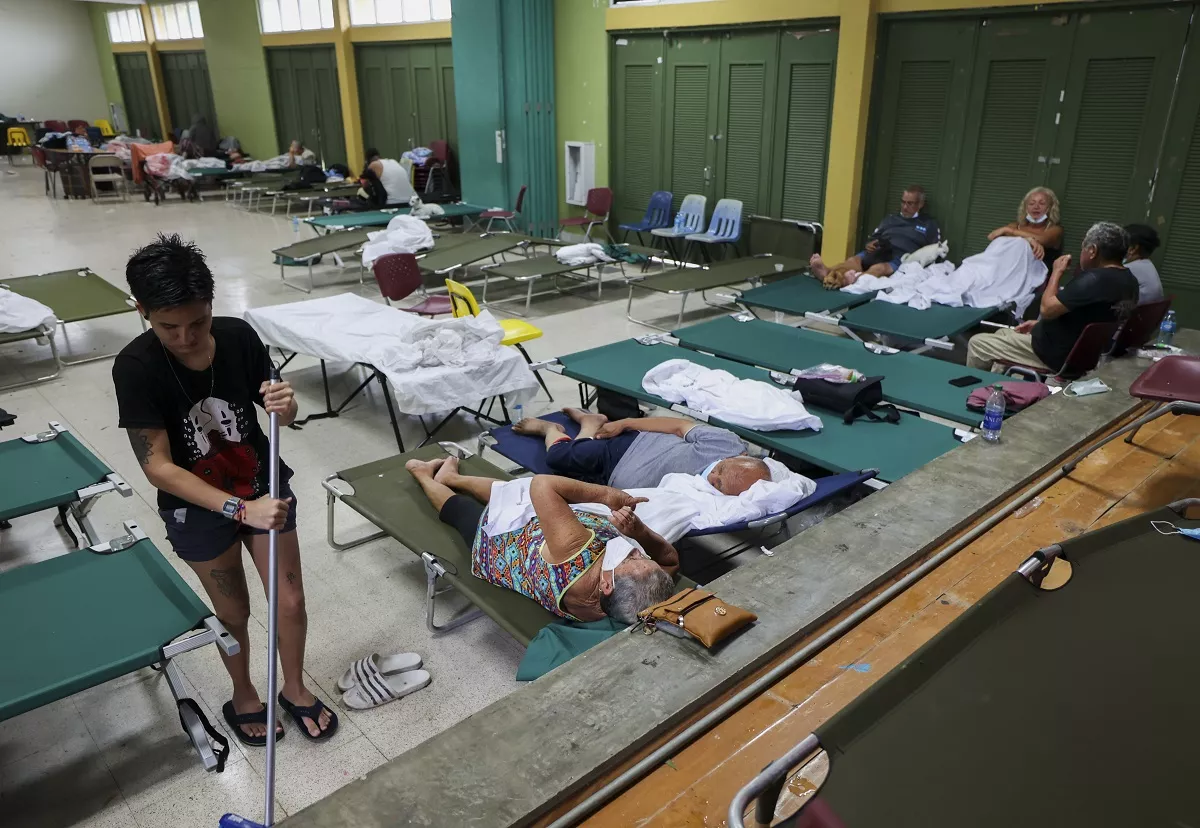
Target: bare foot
447 472
586 418
425 468
850 278
817 264
532 426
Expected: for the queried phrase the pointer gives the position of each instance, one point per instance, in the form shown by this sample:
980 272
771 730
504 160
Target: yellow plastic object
105 127
18 137
464 304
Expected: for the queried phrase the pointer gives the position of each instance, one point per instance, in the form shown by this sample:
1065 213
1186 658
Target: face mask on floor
1082 388
1158 525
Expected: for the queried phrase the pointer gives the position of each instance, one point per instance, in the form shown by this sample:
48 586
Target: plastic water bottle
296 224
518 413
993 414
1166 331
679 222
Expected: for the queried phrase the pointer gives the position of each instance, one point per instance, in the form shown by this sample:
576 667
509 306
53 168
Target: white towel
581 254
19 313
404 234
747 403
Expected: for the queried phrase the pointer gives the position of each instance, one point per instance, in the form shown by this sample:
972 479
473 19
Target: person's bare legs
293 619
589 424
882 270
224 579
532 426
423 471
822 271
439 480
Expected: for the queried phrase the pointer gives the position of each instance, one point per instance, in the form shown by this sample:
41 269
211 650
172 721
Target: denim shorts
895 263
198 535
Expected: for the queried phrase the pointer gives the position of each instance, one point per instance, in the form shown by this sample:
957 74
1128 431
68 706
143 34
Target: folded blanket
747 403
404 234
582 254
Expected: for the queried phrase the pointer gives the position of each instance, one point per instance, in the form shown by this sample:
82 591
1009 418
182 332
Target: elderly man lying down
578 565
638 453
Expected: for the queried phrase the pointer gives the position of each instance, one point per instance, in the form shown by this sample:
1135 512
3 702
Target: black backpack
850 400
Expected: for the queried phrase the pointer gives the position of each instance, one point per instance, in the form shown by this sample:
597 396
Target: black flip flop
313 711
235 720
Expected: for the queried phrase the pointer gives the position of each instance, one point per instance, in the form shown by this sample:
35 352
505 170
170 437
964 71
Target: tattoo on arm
226 581
291 577
139 439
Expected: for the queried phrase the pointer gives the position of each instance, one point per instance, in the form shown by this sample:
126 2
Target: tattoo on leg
291 576
139 439
226 580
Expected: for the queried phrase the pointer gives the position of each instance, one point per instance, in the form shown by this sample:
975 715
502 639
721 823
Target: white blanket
1005 272
432 365
680 504
19 313
581 254
404 234
716 393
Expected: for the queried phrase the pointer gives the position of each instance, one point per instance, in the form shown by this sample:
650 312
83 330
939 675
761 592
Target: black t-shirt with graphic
208 415
1102 294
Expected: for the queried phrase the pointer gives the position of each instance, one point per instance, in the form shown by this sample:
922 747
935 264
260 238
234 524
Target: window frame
125 15
324 11
430 6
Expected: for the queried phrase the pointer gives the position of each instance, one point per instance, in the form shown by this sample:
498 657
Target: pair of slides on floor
375 680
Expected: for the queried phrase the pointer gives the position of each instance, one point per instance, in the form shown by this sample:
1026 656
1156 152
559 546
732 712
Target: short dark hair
372 154
1144 237
167 273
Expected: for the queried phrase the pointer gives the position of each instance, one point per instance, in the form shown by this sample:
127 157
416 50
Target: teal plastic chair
688 220
725 228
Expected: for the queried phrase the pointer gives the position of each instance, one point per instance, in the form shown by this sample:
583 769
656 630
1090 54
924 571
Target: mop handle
272 618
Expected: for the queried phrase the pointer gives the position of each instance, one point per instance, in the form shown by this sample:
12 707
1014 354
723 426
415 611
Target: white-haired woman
1038 222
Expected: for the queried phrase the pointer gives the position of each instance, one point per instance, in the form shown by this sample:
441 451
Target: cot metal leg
1130 430
188 718
630 317
332 495
682 305
433 571
537 374
391 407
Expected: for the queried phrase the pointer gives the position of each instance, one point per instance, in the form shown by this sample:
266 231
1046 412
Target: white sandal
387 665
375 689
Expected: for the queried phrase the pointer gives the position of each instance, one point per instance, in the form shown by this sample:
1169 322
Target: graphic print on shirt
214 433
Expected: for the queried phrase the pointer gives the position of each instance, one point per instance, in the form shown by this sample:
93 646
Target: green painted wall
108 65
237 67
581 85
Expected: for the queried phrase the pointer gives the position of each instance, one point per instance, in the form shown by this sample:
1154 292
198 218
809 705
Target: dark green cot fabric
81 619
44 475
379 218
6 338
914 381
471 249
329 243
533 267
557 643
73 295
894 449
213 172
720 274
799 295
1075 707
901 320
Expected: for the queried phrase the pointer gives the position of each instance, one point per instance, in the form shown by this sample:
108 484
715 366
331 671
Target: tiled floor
114 755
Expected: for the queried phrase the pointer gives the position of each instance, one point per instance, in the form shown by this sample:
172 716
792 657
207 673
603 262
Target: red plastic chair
1095 341
505 216
1142 324
399 276
57 126
599 205
438 162
1172 384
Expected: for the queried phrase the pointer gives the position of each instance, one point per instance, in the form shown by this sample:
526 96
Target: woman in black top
186 392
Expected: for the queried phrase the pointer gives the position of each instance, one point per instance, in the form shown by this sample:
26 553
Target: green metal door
189 92
1175 211
1118 93
141 112
304 92
637 93
745 118
920 100
1019 72
406 95
803 112
690 105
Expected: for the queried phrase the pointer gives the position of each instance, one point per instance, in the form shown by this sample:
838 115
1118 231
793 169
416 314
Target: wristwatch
231 507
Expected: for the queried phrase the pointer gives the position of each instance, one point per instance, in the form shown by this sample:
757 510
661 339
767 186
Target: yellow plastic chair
106 130
18 139
516 331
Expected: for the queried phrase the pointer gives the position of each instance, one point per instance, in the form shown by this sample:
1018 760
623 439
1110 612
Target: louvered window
916 151
637 135
690 131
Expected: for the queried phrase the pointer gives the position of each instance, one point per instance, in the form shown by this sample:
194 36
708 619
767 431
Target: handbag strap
891 414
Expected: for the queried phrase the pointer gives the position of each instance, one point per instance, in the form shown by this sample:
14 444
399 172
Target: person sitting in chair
577 564
1143 241
636 453
300 155
895 236
1038 222
1103 291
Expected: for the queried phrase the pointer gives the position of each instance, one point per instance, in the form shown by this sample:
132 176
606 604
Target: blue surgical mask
1193 533
708 470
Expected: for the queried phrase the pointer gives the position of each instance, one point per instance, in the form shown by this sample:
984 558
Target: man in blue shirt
896 235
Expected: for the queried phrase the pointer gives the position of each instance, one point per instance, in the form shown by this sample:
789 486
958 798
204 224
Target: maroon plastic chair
438 162
399 276
505 216
57 126
599 205
1172 384
1142 324
73 125
1095 341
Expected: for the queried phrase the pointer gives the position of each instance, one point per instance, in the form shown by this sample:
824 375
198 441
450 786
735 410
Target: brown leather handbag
695 613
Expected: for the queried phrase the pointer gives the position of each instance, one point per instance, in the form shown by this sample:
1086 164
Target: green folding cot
896 449
309 250
910 380
452 253
380 218
933 326
80 619
75 295
685 281
311 196
1044 705
801 296
53 470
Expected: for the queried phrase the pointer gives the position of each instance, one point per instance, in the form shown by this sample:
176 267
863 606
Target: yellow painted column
343 49
848 131
156 78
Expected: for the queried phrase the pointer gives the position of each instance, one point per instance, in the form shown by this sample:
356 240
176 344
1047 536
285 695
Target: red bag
1017 395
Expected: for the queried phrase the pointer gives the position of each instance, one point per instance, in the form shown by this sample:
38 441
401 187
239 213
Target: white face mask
1031 220
615 553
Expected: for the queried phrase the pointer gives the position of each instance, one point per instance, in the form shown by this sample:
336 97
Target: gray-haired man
1103 291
